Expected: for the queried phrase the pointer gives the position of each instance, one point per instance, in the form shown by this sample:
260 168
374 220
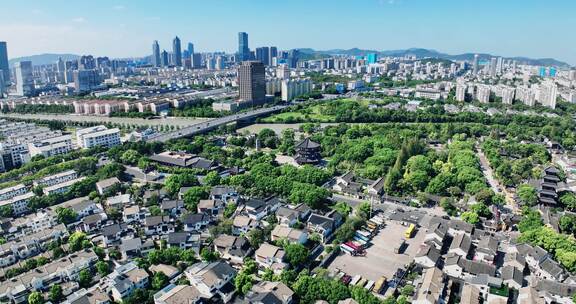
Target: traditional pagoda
307 152
548 190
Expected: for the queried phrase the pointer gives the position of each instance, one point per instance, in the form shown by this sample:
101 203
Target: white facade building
55 179
548 94
461 92
51 146
507 95
8 193
295 87
483 93
98 136
62 187
18 203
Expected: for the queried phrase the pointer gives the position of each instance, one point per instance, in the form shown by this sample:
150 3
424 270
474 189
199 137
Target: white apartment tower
295 87
548 94
483 93
283 72
461 91
507 95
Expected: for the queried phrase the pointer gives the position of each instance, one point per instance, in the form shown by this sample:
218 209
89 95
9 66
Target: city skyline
99 30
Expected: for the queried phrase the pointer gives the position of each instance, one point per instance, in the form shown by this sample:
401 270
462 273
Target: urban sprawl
273 176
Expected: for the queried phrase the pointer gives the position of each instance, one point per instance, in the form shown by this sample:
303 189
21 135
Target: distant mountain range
426 53
44 58
315 54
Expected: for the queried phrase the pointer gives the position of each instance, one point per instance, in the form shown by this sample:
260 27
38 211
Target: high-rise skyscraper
461 92
483 93
252 82
196 60
273 54
156 61
220 62
542 71
493 66
475 64
262 55
177 51
552 72
210 63
24 78
86 62
4 62
68 68
283 72
499 65
61 69
164 58
548 94
572 74
372 58
2 85
190 48
243 49
86 81
293 57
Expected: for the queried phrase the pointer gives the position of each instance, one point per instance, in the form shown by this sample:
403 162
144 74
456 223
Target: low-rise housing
107 184
55 179
62 187
232 248
292 235
211 278
431 288
270 292
270 256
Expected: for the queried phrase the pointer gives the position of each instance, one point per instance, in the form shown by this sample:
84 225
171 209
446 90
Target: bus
377 220
364 233
353 246
358 244
355 279
362 237
369 229
371 225
346 279
369 285
362 282
410 231
379 284
347 249
359 240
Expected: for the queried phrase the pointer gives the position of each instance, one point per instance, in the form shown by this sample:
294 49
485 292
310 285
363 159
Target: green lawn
502 291
315 114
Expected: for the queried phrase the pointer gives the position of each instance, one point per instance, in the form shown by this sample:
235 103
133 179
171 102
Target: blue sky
532 28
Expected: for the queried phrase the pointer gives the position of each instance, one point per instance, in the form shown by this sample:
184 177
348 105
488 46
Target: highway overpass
212 124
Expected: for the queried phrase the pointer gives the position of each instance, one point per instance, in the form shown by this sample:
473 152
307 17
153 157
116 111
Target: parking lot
380 257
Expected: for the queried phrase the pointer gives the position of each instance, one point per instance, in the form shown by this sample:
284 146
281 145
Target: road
496 186
168 121
205 126
386 205
488 173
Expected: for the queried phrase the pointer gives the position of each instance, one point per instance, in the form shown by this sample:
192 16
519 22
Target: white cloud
79 20
27 39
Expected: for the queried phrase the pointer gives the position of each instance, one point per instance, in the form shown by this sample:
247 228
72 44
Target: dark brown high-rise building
252 81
